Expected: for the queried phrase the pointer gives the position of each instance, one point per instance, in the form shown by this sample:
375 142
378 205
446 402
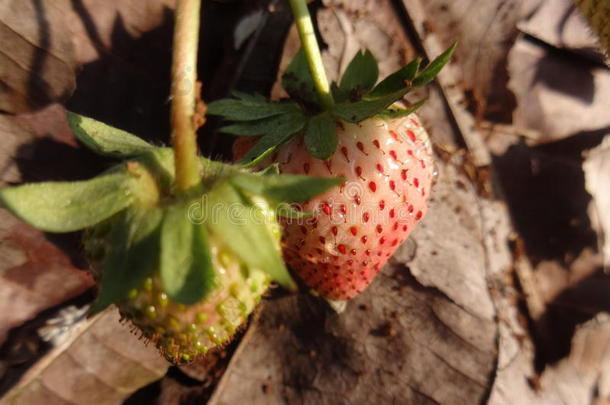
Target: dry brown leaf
13 136
350 26
485 31
39 271
454 264
94 22
581 378
597 170
35 273
41 43
101 363
451 92
559 23
557 97
36 54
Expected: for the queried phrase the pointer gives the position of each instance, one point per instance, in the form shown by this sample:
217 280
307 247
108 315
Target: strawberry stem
312 52
184 79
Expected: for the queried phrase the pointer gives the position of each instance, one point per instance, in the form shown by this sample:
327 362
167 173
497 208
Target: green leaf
104 139
338 94
246 230
285 187
185 263
240 110
250 98
321 136
361 110
254 159
160 163
267 144
297 80
132 257
397 80
401 112
69 206
361 74
430 72
289 122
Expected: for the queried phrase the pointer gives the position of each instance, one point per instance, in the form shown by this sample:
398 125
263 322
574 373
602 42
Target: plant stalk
312 52
183 93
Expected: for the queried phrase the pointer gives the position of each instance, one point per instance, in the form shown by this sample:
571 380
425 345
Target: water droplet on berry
435 173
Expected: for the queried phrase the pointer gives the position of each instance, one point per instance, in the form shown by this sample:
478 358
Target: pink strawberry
388 168
356 131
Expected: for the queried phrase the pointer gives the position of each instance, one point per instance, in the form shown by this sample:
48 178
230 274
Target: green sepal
321 136
185 262
397 80
241 110
268 143
160 163
297 80
367 107
241 227
69 206
284 123
285 187
132 257
392 113
255 98
104 139
360 76
338 95
433 69
286 210
273 168
256 160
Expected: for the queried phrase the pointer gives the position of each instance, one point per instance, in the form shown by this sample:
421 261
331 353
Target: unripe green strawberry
186 268
184 332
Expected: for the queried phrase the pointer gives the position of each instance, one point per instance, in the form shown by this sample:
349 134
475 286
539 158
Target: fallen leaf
37 63
485 31
559 23
557 96
37 271
581 378
94 24
576 379
350 26
454 211
101 363
596 168
35 274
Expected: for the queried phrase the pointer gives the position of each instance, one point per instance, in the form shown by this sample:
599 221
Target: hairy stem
312 51
183 93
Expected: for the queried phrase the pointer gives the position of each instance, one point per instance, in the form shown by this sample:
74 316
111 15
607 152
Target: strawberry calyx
357 96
